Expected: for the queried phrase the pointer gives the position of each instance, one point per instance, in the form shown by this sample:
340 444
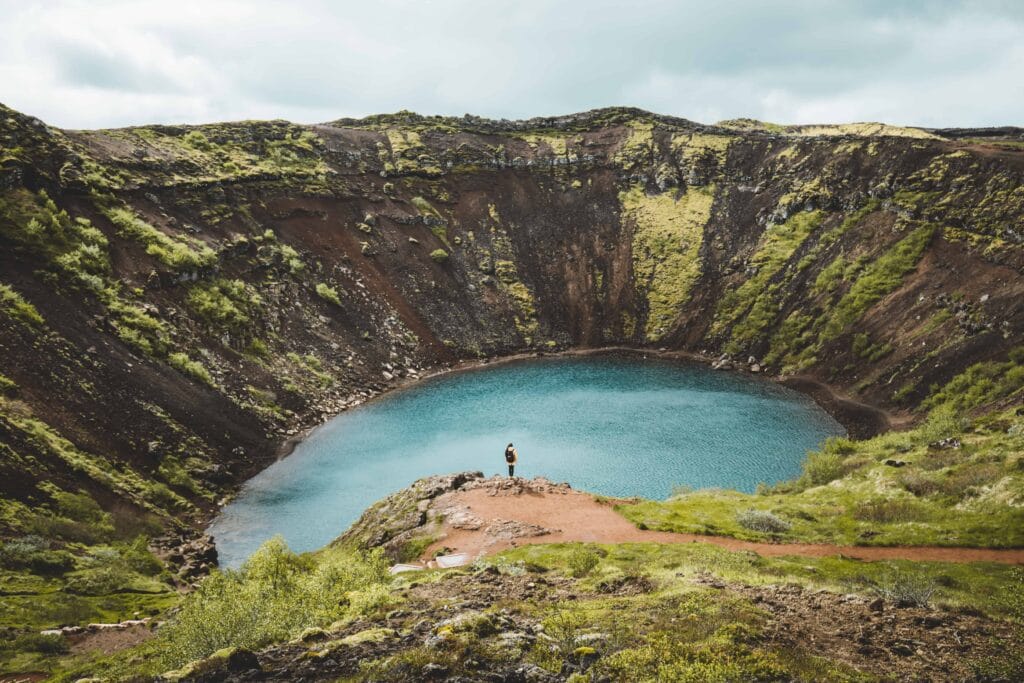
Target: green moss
51 447
692 147
668 231
879 278
751 307
439 256
177 252
224 304
872 352
638 146
211 153
313 366
73 249
328 293
182 363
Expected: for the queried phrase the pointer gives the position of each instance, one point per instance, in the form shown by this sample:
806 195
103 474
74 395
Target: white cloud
118 62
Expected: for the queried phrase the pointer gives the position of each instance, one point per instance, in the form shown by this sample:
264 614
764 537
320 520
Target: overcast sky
102 63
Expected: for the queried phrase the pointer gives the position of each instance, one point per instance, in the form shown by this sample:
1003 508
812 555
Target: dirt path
487 519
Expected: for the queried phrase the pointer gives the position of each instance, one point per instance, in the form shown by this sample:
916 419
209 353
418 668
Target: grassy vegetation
669 229
182 363
989 588
73 249
328 293
878 279
49 449
179 253
67 561
225 304
13 304
672 628
275 596
751 307
312 366
798 340
848 494
982 384
211 153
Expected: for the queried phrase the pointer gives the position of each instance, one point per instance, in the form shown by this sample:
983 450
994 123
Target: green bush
14 305
888 511
904 587
182 363
762 520
135 326
37 642
79 507
73 249
981 384
943 422
821 467
179 253
33 553
582 561
275 595
328 293
225 304
439 255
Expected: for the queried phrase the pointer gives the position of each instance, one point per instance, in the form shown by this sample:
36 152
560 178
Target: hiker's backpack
510 456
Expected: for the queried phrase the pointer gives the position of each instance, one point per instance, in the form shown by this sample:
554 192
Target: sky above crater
112 63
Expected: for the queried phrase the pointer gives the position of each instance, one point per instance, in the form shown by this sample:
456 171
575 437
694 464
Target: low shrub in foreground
275 595
582 561
905 588
762 520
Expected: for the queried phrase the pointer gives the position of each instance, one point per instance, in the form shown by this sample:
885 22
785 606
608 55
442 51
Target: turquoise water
616 426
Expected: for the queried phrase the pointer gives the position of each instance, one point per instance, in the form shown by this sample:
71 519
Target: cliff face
176 300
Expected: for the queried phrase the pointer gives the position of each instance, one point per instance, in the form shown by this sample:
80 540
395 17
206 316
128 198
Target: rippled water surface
620 427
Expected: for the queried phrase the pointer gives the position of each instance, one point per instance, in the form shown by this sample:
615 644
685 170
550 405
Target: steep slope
177 300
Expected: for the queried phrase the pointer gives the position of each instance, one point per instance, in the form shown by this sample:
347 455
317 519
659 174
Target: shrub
55 526
981 384
762 520
943 422
33 553
139 559
564 628
582 561
962 482
182 363
328 293
275 595
439 255
38 642
821 467
177 253
226 304
888 511
905 588
919 484
79 507
14 305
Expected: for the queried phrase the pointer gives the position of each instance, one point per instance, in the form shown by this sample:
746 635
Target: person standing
511 456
